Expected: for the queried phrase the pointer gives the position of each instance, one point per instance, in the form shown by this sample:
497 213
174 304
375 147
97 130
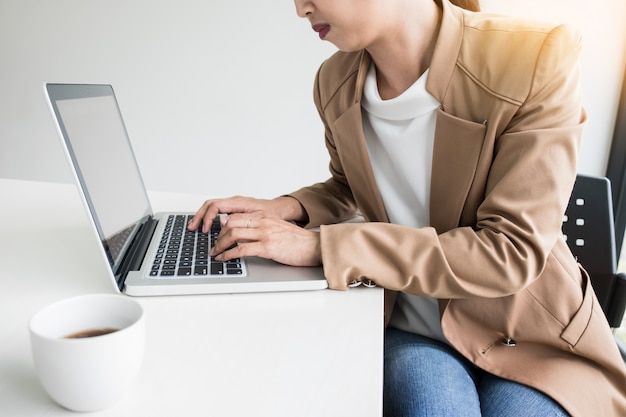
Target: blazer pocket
580 321
457 150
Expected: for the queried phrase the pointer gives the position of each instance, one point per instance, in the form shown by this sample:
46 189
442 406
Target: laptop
147 253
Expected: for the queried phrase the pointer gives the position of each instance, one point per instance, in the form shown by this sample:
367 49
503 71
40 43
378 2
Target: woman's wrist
290 209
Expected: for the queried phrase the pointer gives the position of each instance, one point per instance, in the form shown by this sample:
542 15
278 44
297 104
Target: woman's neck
402 55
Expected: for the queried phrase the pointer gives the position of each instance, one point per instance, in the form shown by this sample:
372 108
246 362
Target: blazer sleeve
518 221
331 201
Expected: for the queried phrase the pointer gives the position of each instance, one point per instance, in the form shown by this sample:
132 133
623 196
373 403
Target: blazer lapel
354 156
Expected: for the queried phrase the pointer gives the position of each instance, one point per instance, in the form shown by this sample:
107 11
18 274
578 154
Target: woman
455 135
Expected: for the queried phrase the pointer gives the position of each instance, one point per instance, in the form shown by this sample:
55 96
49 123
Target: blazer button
369 283
507 341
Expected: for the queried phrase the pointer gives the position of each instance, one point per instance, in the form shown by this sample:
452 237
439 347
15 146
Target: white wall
223 90
213 92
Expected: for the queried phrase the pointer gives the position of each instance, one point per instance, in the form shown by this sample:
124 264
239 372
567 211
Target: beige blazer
506 144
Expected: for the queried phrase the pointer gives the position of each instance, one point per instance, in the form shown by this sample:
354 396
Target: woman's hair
473 5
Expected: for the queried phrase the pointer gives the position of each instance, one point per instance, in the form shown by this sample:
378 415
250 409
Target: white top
400 134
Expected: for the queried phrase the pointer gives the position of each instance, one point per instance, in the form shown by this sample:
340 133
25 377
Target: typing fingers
234 238
232 205
204 217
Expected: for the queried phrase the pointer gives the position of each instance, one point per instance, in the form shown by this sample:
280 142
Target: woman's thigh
501 397
424 377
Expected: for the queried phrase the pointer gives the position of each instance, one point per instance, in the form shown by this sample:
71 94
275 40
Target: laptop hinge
137 251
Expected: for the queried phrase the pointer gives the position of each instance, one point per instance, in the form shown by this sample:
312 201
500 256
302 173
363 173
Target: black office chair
589 231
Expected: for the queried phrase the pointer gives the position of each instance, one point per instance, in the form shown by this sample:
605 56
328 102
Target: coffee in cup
88 349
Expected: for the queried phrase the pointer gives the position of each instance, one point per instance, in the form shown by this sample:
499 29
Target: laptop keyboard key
200 270
184 271
217 268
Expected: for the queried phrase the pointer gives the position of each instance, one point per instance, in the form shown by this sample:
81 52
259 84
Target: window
620 334
616 172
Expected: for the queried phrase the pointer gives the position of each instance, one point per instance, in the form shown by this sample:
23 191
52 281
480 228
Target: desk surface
314 353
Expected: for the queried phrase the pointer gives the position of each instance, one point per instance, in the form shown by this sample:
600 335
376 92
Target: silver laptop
147 253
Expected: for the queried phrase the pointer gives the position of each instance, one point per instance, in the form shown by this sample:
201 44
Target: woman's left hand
270 238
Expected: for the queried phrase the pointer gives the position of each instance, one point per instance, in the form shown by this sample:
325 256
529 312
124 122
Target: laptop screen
99 148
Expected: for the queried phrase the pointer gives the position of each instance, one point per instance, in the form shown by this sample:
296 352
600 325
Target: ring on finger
248 223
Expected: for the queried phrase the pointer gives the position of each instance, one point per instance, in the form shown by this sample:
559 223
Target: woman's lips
322 30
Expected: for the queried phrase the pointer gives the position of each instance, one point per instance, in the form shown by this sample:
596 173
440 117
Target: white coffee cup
88 373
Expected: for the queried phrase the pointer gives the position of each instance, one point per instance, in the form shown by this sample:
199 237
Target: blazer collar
447 48
444 59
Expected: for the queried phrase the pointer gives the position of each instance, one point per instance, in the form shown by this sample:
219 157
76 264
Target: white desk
316 353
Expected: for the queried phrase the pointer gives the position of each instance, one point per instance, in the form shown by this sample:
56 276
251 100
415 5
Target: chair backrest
589 231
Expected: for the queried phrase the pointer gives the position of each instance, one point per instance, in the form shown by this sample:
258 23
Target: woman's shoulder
507 36
497 49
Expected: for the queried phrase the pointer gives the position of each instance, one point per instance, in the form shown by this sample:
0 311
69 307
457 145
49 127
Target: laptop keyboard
183 253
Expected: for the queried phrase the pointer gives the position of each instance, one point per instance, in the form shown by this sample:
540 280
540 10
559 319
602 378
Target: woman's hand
260 228
270 238
286 208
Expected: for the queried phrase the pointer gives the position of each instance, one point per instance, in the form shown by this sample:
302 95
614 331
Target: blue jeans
424 377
